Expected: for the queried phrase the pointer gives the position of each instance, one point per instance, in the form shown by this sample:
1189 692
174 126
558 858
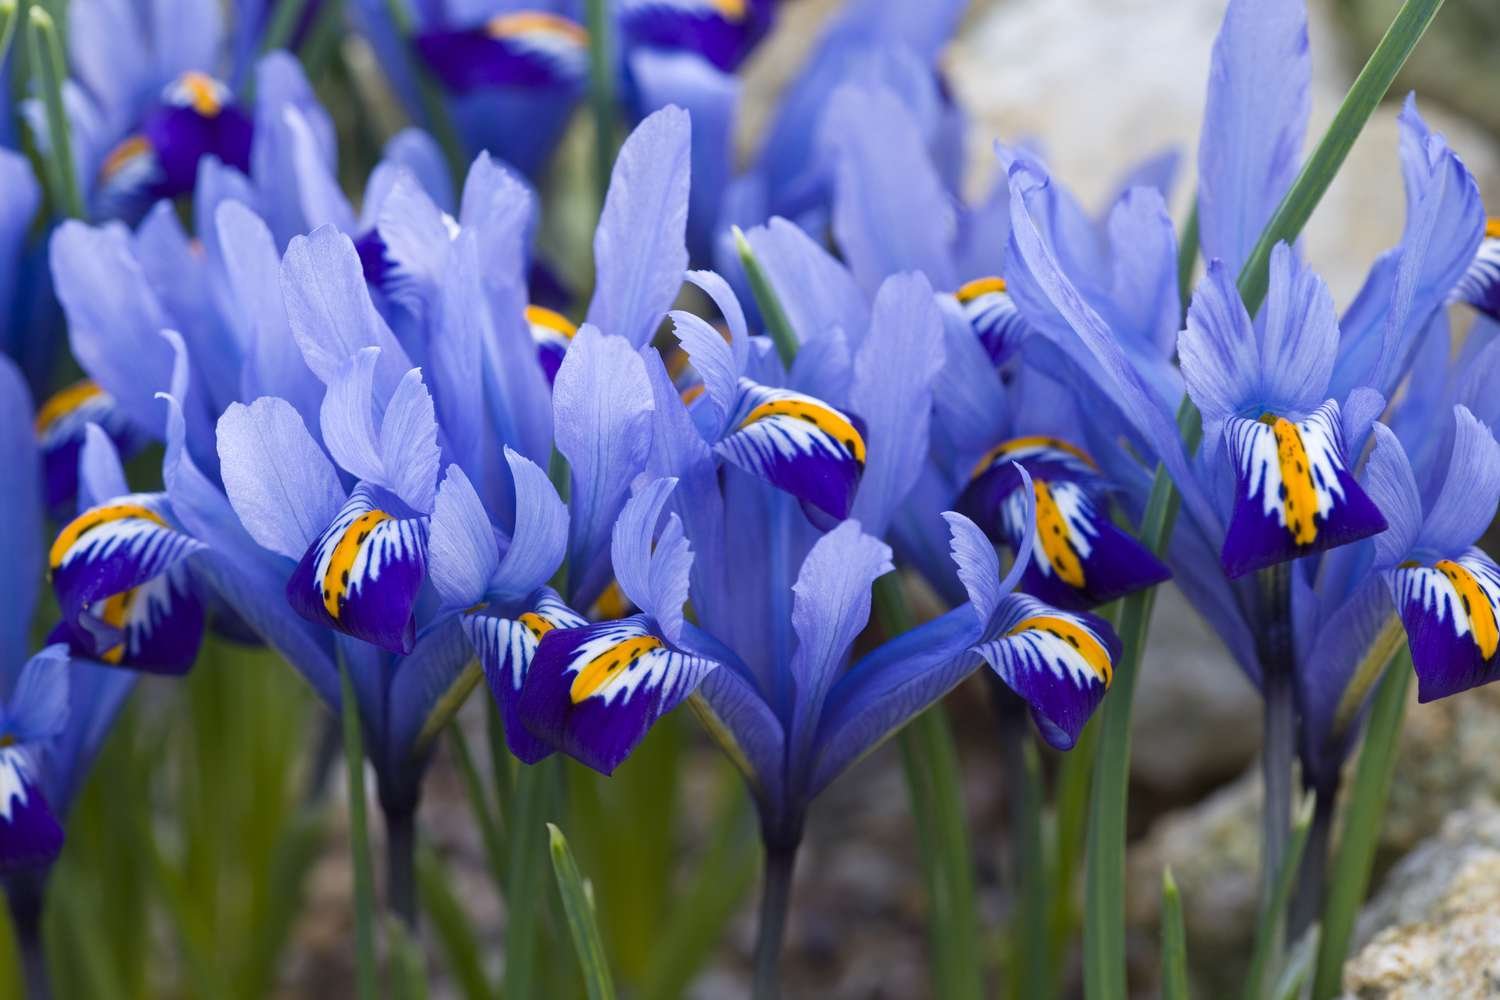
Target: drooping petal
30 836
196 118
1451 610
60 425
1480 285
640 251
362 574
106 554
524 48
38 706
1294 493
722 33
156 626
552 332
992 314
506 647
798 444
593 692
1060 662
1079 558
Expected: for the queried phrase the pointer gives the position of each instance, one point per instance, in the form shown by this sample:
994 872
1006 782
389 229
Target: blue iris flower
54 711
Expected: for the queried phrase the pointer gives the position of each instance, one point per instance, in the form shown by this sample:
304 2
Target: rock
1434 929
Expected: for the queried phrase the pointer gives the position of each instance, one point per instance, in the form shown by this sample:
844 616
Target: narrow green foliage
1174 984
1070 807
1029 927
51 69
578 904
777 324
407 970
451 925
600 18
479 804
8 24
1187 256
284 21
1355 856
1104 935
538 792
1270 928
359 839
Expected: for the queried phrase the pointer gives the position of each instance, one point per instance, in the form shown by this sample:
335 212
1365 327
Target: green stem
775 902
284 21
359 838
930 762
1187 256
771 313
401 865
1270 928
1031 959
1173 941
601 92
578 904
538 790
479 804
1355 857
8 24
1104 938
51 69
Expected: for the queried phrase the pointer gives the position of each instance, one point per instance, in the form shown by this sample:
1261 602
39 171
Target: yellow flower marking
204 92
1492 227
1482 625
607 665
1052 529
122 155
116 607
336 579
729 10
1028 443
1091 649
971 290
65 401
612 603
1299 497
91 519
547 318
824 418
538 625
526 22
691 393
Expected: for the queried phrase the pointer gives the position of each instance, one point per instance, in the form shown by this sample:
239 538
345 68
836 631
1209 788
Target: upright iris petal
1451 610
1079 558
1293 492
552 332
60 424
195 117
525 48
797 443
993 315
1480 285
123 584
362 574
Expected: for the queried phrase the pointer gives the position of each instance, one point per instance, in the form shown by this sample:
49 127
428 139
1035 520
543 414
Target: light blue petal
716 288
892 392
424 677
1466 504
408 443
713 359
38 705
639 249
823 368
830 607
281 485
1258 87
757 742
978 563
462 554
1147 307
1218 353
541 534
110 54
968 397
454 370
186 35
416 239
21 525
890 210
295 156
101 477
653 570
1299 336
347 418
418 152
1387 479
816 291
602 421
17 210
329 309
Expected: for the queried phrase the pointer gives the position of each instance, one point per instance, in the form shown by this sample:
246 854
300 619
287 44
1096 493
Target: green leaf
600 21
359 838
538 793
8 25
579 907
479 804
1355 857
51 69
777 324
1029 925
455 932
284 21
1174 984
408 966
1271 925
1104 923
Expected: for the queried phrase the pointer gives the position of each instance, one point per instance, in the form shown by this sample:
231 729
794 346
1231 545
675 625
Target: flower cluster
395 445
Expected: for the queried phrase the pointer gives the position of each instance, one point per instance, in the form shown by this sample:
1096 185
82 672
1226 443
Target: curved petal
532 49
653 570
462 554
1059 662
1451 611
61 422
541 534
593 692
1465 505
30 836
1294 493
506 646
362 574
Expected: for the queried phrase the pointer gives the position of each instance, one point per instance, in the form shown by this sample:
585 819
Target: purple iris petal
181 136
722 32
523 49
30 836
1450 611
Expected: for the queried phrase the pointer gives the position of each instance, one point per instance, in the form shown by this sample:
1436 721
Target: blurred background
194 870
